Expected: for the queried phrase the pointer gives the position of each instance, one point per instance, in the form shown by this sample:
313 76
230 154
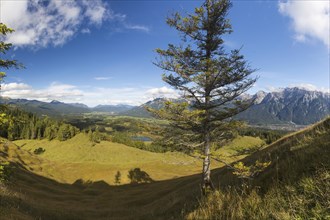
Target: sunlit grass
295 186
79 158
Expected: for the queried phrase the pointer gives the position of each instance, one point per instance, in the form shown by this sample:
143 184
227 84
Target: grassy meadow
78 158
74 179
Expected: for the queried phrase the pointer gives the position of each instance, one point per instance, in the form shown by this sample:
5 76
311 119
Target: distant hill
80 105
114 109
53 108
57 109
140 111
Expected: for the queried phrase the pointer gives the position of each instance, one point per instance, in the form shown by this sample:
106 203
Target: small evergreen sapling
117 178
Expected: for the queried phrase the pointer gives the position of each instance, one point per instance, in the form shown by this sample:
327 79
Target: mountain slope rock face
140 111
291 105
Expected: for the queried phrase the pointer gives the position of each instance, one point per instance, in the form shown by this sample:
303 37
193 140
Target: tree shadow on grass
49 199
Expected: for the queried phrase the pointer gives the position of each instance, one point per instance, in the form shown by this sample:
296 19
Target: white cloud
162 92
310 19
91 96
310 87
41 23
85 31
273 89
137 27
14 86
102 78
304 86
95 10
55 91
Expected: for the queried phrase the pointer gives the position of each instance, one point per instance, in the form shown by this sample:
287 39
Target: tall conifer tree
209 78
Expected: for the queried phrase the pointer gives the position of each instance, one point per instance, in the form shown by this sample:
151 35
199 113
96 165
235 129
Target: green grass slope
78 158
295 186
37 192
292 156
41 188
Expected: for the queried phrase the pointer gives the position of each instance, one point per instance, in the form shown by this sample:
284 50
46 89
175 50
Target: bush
39 150
137 175
5 171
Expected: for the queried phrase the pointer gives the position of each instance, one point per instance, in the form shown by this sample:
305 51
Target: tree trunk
206 181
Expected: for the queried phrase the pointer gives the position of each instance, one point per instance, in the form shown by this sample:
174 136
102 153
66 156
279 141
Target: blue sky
101 52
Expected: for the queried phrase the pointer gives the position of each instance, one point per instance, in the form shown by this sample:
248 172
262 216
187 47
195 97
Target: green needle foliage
209 77
5 171
4 47
5 63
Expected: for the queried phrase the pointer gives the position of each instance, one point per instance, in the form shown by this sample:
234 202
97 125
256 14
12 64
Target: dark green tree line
18 124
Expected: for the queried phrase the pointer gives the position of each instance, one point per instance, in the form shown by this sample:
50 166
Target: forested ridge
17 124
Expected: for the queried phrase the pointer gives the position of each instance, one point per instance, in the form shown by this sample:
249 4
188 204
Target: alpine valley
289 108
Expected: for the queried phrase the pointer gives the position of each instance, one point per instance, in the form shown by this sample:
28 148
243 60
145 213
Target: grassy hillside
37 191
74 180
295 186
78 158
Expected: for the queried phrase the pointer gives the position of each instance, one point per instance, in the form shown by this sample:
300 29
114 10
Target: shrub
5 171
137 175
39 150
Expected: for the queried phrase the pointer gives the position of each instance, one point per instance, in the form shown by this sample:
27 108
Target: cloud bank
40 23
310 19
304 86
310 87
43 23
91 96
55 91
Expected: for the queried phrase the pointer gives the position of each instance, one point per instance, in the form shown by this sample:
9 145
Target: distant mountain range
288 106
52 109
59 109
